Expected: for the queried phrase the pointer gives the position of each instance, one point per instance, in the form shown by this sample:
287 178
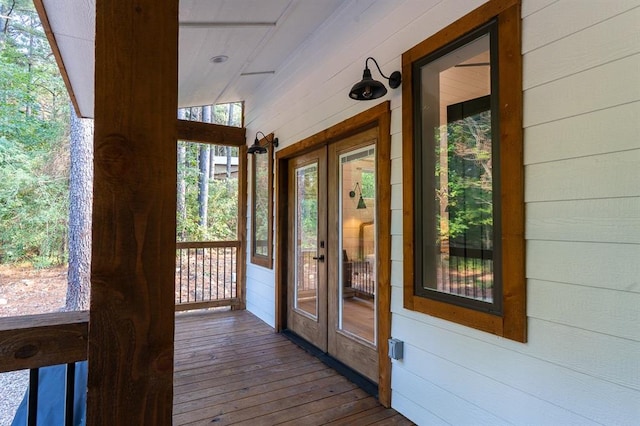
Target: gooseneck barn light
256 148
368 88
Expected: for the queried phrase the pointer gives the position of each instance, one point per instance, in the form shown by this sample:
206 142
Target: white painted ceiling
257 36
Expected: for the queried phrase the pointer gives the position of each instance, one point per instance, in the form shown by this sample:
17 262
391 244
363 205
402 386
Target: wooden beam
134 214
33 341
211 133
241 279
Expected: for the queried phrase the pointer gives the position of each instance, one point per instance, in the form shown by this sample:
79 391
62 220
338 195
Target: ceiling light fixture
219 59
256 148
368 88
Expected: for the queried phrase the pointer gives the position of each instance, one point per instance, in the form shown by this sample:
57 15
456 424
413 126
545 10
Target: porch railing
36 341
207 274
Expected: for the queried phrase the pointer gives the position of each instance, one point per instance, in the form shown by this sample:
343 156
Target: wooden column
132 308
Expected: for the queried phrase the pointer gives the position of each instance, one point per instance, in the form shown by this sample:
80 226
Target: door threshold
352 375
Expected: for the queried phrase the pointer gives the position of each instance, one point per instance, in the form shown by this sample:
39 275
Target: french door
332 257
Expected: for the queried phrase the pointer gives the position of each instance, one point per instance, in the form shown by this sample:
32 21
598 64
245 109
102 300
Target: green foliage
470 191
308 207
33 166
223 199
223 196
368 184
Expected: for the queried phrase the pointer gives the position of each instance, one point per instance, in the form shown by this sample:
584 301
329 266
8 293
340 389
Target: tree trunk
182 187
30 66
3 24
80 206
203 179
228 149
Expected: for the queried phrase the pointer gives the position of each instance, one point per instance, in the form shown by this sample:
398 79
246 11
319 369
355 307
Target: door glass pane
457 124
357 248
306 239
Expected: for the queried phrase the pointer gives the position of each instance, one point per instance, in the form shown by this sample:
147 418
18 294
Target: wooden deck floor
231 368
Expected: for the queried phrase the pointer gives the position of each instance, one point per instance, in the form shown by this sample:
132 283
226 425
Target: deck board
231 368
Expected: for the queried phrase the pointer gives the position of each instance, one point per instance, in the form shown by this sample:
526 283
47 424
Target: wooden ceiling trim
46 25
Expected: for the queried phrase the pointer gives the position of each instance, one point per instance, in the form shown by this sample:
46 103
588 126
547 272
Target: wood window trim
512 323
258 259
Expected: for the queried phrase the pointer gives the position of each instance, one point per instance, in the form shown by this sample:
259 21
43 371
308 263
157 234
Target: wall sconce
368 88
256 148
352 194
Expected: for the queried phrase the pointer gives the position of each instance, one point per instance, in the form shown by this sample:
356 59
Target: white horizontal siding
555 369
447 408
609 85
563 18
614 313
608 175
582 190
600 265
614 220
600 44
564 139
260 292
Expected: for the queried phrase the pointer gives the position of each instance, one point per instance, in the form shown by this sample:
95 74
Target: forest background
46 163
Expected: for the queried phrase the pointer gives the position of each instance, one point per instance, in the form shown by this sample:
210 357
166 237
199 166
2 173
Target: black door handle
319 258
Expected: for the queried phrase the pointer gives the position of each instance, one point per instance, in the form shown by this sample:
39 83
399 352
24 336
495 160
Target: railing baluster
195 278
224 271
32 404
180 291
69 395
188 274
217 273
210 274
234 263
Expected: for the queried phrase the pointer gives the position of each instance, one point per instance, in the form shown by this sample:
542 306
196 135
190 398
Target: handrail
33 341
207 244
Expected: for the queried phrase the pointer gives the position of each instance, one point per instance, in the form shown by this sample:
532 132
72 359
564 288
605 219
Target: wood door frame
379 116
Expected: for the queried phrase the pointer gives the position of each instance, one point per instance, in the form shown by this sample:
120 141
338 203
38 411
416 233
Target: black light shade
368 88
256 148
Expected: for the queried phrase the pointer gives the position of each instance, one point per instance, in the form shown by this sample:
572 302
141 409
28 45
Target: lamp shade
361 204
367 88
256 148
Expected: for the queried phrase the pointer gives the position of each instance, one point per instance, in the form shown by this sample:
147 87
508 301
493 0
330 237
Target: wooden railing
35 341
207 274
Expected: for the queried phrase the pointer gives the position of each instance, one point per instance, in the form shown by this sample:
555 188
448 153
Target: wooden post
134 219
